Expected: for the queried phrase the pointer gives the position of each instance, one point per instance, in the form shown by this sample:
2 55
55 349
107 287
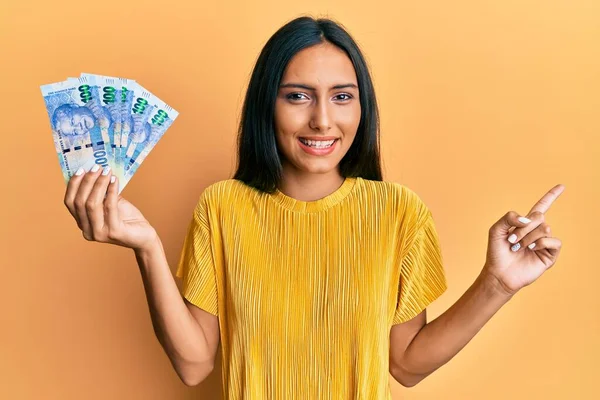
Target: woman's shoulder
226 188
388 188
224 185
217 195
400 195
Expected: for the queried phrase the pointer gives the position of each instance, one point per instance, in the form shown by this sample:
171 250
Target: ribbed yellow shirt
307 292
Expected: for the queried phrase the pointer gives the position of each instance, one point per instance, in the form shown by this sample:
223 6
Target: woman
312 272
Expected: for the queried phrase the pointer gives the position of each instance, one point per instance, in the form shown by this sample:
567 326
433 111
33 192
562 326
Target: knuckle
112 234
79 204
99 236
539 216
547 229
90 205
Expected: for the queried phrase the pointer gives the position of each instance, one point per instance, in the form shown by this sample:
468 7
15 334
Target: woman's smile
318 147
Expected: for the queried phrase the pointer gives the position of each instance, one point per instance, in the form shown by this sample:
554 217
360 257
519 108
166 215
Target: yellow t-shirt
307 292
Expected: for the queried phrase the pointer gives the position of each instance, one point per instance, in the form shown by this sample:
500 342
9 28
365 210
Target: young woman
311 272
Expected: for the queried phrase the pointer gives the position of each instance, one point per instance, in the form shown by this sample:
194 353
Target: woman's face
317 101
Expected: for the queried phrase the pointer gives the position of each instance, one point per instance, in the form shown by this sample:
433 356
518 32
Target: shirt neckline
324 203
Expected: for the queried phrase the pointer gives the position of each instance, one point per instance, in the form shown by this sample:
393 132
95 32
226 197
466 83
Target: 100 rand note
76 122
159 121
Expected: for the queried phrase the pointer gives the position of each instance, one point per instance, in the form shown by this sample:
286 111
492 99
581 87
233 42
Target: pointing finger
545 202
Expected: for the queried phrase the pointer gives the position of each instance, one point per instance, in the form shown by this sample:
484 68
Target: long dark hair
259 163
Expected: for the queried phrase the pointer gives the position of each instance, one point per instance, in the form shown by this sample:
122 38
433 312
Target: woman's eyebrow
301 86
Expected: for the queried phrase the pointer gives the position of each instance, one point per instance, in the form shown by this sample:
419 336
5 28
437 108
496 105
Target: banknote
160 120
135 120
104 120
75 120
109 90
105 123
129 88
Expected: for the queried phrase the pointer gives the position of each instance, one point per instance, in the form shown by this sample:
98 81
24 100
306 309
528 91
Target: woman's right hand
107 220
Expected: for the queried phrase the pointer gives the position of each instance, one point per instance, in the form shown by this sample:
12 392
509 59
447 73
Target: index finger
545 202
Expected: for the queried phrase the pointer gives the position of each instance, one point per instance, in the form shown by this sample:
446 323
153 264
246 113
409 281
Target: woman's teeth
319 144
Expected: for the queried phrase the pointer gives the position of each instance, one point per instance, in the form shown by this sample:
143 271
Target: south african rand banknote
78 126
150 118
105 120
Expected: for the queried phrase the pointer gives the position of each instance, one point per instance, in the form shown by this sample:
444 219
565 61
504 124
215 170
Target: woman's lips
318 151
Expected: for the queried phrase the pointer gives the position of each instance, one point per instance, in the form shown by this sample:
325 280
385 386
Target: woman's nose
321 119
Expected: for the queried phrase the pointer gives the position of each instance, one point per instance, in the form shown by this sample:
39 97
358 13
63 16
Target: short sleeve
196 264
422 278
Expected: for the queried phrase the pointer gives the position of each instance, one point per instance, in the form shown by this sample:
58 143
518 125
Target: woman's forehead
323 65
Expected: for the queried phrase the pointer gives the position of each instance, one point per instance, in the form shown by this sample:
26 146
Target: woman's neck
305 186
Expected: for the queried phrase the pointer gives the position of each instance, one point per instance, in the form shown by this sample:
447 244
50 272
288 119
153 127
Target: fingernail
79 171
113 179
95 168
512 238
516 247
524 220
106 170
531 246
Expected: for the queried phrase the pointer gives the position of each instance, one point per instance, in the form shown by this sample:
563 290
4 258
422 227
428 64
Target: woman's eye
345 94
290 96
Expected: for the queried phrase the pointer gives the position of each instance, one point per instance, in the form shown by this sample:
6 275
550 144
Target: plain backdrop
485 106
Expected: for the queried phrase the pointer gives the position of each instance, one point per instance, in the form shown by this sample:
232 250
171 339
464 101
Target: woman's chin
313 166
318 167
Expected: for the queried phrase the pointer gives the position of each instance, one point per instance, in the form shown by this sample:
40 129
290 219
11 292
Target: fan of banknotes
104 120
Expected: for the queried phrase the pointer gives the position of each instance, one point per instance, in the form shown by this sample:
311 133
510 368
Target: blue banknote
160 120
76 122
109 90
128 90
104 120
109 99
136 128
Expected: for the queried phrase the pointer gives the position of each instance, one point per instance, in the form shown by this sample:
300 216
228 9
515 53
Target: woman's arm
507 270
190 348
441 339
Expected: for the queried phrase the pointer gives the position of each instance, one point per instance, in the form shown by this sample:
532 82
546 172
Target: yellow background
485 105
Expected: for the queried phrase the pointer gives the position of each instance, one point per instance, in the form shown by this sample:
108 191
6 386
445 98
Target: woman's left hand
511 263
